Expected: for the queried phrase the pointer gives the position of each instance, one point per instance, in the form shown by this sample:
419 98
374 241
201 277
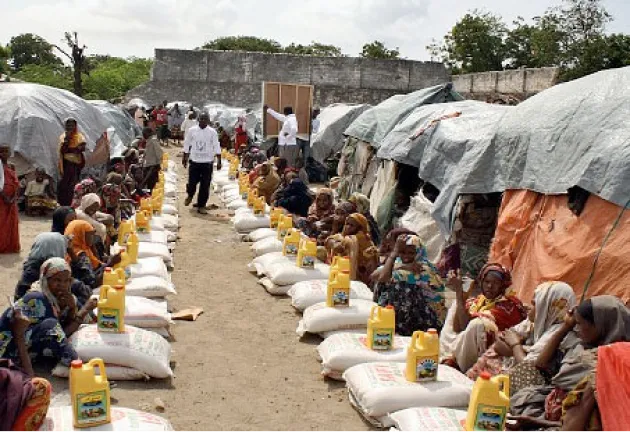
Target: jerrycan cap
119 287
432 331
76 364
389 307
485 375
108 270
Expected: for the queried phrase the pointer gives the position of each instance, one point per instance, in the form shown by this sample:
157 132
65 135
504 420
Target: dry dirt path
240 365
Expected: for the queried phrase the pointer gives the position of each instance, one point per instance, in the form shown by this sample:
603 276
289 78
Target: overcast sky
135 27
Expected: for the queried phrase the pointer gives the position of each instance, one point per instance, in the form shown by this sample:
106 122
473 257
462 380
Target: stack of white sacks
142 350
375 380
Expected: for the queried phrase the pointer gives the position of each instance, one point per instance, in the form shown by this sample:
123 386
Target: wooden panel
303 109
271 98
279 95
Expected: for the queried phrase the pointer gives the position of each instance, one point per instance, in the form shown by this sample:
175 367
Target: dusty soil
240 365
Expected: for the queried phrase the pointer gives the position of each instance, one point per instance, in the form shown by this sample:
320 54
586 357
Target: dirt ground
240 366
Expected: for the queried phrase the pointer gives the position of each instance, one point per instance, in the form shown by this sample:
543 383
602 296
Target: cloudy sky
135 27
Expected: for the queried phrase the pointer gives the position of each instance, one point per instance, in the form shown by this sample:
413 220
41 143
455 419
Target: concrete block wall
235 78
522 82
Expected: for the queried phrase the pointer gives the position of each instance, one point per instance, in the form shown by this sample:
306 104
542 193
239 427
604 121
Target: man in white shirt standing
287 137
201 147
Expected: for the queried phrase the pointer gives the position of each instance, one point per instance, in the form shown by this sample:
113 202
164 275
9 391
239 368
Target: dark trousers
199 174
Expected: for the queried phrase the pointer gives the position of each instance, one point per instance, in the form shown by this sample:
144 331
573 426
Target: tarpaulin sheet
125 128
374 124
334 120
541 240
32 120
453 146
573 134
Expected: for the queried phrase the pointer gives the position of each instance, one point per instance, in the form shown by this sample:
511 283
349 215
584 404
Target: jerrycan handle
504 381
101 367
417 337
104 292
373 310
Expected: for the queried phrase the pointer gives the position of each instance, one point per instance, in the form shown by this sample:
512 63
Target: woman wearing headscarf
267 181
111 193
89 212
363 206
320 214
410 283
61 217
41 321
240 133
355 242
597 322
10 234
84 187
71 161
525 341
388 243
295 198
479 319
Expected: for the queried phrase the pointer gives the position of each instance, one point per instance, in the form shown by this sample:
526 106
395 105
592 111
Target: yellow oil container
291 242
423 356
143 224
124 230
133 246
125 262
156 205
381 327
145 206
339 265
489 403
252 194
307 254
259 206
338 293
89 393
274 217
285 223
243 186
111 309
113 277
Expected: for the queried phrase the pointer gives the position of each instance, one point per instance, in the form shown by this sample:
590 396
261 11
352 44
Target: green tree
53 75
378 50
243 43
314 49
113 77
78 60
30 49
5 55
537 45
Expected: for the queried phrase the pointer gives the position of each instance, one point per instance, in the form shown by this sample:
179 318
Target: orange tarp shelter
540 239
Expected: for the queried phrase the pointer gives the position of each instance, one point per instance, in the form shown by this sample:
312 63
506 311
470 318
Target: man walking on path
287 137
201 146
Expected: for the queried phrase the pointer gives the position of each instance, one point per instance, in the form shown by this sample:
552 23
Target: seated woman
389 242
103 223
25 398
54 245
320 214
525 341
39 324
295 198
342 211
83 247
111 194
598 322
355 243
40 198
478 320
410 283
84 187
61 217
267 181
363 206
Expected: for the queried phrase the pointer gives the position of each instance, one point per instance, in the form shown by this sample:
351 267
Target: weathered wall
235 78
520 83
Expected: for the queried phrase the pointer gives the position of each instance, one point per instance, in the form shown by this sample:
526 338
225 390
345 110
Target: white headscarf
50 268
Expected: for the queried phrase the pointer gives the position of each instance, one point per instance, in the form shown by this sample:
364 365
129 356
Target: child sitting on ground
39 195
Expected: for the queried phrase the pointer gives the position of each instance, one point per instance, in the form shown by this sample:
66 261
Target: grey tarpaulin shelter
32 120
125 128
449 144
573 134
334 120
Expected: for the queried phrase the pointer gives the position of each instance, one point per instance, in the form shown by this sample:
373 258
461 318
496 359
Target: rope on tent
601 249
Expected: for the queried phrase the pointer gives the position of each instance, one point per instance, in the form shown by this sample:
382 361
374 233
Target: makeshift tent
138 103
32 120
334 120
125 128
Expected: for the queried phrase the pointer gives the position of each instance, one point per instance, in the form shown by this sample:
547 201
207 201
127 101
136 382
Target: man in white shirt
287 137
315 124
189 122
201 147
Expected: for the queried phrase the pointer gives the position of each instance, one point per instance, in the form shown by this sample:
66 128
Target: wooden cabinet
279 95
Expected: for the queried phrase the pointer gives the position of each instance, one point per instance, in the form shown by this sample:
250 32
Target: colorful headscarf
498 270
319 213
78 230
347 207
361 202
49 269
362 221
84 187
429 274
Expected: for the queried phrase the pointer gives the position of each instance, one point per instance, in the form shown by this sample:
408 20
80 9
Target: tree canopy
30 49
570 36
378 50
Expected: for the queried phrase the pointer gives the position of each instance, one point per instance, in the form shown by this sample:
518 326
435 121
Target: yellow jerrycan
125 262
143 224
259 206
252 194
243 186
489 403
111 309
285 223
307 254
133 247
113 277
381 327
145 206
339 265
338 293
156 205
291 242
274 217
124 230
89 393
423 356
